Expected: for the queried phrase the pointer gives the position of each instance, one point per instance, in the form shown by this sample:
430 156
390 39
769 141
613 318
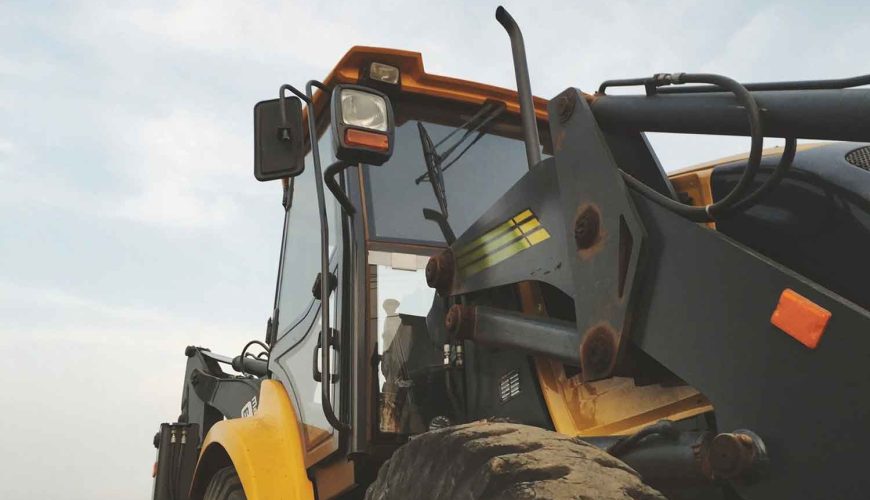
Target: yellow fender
265 449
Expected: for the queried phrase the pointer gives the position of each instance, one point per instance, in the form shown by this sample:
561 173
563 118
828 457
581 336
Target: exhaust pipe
524 88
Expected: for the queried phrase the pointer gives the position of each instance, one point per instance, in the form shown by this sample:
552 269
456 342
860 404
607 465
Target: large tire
225 485
485 460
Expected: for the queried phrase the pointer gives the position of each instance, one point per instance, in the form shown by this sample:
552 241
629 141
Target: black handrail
326 385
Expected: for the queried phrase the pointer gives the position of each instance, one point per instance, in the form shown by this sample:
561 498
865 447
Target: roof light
384 73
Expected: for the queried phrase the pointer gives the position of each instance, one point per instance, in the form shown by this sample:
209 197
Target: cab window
301 259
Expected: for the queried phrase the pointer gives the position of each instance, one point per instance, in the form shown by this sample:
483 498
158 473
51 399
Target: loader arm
696 301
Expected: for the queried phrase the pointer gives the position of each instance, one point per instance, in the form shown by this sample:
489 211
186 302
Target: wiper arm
487 113
433 168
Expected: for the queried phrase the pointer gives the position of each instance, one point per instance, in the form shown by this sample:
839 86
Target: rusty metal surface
604 230
439 271
737 455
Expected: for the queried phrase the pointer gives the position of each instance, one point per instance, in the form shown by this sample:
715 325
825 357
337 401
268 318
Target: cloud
187 166
7 149
53 314
256 30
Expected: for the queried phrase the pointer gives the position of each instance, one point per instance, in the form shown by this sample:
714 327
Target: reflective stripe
500 243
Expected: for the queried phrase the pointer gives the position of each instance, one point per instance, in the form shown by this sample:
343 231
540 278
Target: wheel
225 485
484 460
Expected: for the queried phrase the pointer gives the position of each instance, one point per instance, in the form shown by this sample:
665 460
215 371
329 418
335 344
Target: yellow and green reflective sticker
518 233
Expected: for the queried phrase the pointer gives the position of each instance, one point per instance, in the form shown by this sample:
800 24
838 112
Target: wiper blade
433 168
488 112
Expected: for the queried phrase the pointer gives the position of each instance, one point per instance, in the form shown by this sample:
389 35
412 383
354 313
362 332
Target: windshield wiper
433 168
489 111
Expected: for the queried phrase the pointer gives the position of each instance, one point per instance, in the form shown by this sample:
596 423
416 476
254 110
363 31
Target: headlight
363 109
362 125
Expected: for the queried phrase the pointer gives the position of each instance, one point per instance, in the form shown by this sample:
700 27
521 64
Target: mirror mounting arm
284 131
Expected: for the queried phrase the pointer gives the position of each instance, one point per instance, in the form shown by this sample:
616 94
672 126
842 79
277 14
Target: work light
384 73
362 125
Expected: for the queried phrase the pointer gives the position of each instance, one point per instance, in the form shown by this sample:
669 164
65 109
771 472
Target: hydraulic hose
736 196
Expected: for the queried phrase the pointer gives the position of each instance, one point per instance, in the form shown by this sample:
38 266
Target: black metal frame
209 396
702 305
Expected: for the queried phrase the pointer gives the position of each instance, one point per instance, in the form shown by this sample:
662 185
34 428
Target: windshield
488 169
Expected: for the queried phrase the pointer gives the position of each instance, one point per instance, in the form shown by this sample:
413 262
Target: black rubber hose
722 207
663 427
835 84
779 173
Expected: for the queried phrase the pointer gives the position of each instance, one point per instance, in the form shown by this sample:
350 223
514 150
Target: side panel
265 449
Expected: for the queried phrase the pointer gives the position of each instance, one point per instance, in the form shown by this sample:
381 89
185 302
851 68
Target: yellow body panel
265 449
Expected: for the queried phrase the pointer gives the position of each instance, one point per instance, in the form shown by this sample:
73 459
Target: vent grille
509 386
859 157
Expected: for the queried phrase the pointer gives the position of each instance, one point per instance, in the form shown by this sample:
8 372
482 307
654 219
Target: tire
225 485
485 460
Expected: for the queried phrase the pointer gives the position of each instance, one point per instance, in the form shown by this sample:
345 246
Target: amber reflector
362 138
801 318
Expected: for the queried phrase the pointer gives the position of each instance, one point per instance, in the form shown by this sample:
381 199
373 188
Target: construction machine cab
384 223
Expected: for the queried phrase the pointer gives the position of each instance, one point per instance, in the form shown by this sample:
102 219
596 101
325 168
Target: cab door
296 356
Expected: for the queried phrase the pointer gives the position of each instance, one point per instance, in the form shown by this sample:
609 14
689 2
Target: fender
265 449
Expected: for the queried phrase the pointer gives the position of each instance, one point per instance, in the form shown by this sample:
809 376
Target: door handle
316 363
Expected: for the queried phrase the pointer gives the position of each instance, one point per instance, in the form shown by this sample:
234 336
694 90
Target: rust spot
587 225
557 141
439 272
727 455
598 352
589 230
460 321
565 106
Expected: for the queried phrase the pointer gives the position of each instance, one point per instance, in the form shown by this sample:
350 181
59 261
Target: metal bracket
603 230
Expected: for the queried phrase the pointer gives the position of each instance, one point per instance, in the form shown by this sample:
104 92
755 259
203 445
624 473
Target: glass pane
298 366
477 171
302 250
411 361
299 326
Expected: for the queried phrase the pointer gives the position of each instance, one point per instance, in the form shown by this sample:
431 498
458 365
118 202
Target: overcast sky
130 221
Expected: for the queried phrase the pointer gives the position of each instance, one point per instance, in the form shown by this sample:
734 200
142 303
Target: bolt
731 455
453 319
586 228
565 107
597 353
439 272
460 321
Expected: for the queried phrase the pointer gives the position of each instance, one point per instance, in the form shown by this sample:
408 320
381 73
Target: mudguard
265 449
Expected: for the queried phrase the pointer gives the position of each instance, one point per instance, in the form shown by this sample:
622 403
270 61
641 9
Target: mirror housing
362 124
278 142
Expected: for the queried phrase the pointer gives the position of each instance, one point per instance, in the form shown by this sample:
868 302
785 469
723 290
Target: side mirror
278 139
362 125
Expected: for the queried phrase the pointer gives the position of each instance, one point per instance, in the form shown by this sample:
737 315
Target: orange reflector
154 470
801 318
366 139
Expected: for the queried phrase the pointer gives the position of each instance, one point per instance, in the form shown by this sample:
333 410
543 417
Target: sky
130 222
